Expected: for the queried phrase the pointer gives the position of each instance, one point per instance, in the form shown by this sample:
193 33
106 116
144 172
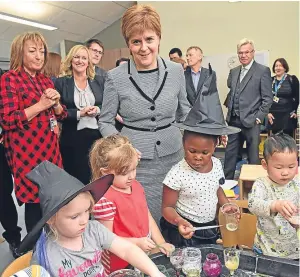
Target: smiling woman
149 94
29 106
82 92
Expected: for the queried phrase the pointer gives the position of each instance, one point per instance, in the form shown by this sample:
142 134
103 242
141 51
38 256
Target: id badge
54 125
275 99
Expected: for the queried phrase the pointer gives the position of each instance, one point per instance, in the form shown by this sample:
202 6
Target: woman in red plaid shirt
29 109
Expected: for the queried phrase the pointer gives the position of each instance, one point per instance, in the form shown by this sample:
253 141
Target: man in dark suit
96 50
175 53
195 74
250 99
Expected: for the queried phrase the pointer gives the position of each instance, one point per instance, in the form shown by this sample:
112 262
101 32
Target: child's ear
264 164
104 171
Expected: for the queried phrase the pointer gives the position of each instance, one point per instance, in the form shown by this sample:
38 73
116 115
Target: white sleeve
173 180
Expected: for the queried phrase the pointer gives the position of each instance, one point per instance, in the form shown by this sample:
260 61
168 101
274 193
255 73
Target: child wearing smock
275 199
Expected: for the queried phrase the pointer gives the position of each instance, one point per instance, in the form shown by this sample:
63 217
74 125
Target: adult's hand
45 102
293 115
271 118
52 94
84 112
93 111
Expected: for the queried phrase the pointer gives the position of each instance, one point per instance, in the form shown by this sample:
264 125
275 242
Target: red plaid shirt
27 143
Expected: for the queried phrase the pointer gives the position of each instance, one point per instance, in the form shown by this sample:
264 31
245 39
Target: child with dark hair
192 191
275 199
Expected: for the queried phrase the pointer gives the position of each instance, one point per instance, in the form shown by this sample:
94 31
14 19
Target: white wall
111 37
217 27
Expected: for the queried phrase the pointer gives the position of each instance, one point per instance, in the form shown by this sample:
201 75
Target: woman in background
81 92
52 67
282 114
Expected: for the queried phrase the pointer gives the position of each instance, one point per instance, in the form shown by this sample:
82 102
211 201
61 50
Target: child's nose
284 172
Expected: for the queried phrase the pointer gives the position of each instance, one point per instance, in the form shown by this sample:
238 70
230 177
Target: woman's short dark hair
187 133
121 60
284 64
279 143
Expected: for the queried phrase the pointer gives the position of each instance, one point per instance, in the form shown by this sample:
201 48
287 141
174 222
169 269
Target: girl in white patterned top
192 191
274 199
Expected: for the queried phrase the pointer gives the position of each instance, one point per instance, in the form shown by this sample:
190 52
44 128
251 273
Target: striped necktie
243 73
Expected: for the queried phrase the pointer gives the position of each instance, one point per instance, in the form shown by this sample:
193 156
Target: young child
192 188
192 191
123 209
274 199
73 244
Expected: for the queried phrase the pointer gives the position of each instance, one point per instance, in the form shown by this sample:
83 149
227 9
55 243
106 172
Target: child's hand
285 208
146 244
158 274
185 228
166 248
232 209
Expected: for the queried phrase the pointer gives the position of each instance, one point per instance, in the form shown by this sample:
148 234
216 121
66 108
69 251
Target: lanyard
278 86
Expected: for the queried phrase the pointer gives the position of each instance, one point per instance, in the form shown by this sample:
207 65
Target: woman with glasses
81 92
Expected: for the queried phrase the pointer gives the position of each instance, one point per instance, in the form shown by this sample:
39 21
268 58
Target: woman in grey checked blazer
149 94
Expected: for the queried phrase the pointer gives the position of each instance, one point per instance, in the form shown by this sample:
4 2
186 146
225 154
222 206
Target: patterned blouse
27 143
275 236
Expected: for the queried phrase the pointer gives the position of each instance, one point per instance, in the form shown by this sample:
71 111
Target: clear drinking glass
232 259
295 220
192 262
176 259
231 211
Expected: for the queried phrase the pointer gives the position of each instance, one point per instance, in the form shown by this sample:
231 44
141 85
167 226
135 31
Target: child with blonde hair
123 209
71 244
275 199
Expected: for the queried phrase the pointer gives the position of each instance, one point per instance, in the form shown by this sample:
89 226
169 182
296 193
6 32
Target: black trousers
171 234
8 211
33 214
75 155
252 138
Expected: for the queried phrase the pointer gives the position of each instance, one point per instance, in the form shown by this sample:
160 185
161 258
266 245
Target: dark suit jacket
190 89
65 86
100 72
256 93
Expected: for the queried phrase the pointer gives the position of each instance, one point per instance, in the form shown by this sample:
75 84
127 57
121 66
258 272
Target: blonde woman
29 109
81 92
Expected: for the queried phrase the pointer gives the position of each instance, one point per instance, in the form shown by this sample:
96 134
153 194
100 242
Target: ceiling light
20 20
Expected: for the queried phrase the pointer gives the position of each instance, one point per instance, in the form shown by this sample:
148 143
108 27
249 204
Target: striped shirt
129 213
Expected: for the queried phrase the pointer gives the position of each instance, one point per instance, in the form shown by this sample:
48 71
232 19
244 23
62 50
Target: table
249 173
265 265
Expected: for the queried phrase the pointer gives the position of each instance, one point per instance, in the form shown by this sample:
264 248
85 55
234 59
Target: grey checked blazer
122 94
